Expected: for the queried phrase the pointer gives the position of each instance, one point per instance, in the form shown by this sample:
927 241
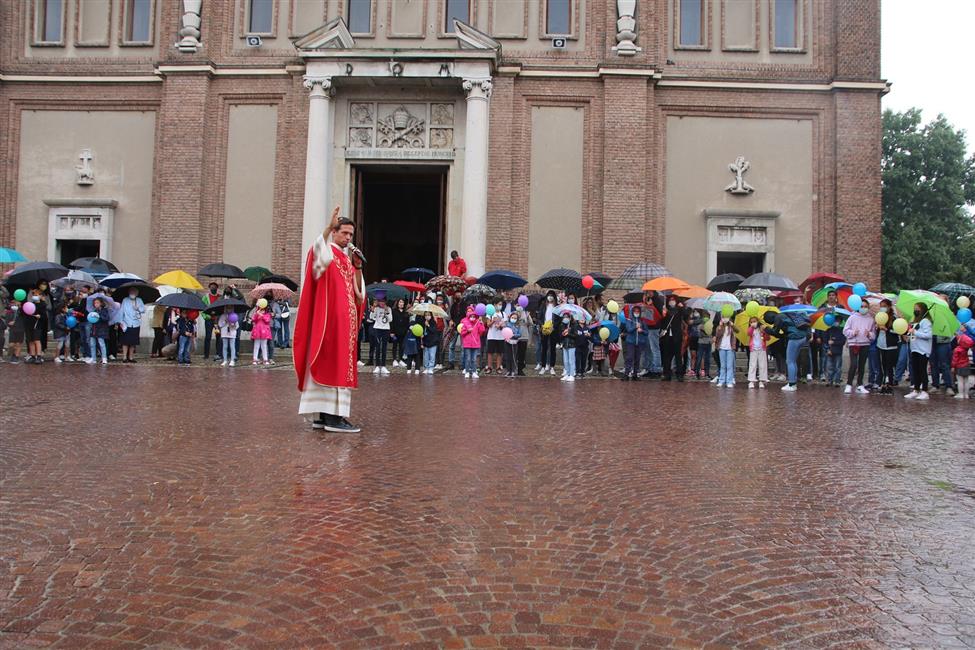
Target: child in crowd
567 331
920 341
15 325
397 332
600 354
962 366
524 321
62 342
431 340
228 325
471 329
724 341
99 332
185 333
835 343
635 341
702 361
382 322
411 348
511 346
261 333
860 330
758 357
495 343
888 344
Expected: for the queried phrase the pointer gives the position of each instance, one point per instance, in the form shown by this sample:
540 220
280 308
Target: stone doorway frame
86 219
758 221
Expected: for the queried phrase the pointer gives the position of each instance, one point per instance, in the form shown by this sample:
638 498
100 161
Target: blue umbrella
614 330
115 280
502 280
803 309
10 256
417 274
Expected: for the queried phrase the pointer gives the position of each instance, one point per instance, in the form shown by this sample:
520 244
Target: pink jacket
262 325
470 333
860 329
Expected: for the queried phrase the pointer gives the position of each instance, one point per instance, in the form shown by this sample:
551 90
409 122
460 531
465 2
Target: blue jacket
628 326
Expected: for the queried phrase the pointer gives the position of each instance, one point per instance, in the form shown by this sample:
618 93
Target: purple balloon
522 301
233 317
480 310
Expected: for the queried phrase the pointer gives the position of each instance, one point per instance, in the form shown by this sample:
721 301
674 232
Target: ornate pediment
469 38
333 35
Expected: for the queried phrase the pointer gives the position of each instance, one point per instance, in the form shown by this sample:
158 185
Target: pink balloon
29 308
507 333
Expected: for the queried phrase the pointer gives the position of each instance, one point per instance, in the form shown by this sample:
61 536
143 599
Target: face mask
133 294
551 301
864 310
565 320
883 310
519 308
672 304
513 320
15 307
572 301
35 298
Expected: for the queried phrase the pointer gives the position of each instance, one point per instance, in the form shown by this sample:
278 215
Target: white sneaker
58 360
544 369
375 370
863 390
89 360
960 396
570 378
563 377
538 367
233 363
104 361
467 375
223 363
439 366
761 384
912 395
922 396
949 392
384 370
715 381
848 389
788 388
360 364
809 377
474 375
751 384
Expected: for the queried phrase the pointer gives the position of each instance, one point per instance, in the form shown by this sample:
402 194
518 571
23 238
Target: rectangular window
558 17
692 22
459 10
48 20
360 16
786 24
138 21
261 17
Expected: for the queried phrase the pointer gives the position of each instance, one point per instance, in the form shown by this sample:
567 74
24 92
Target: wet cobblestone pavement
187 507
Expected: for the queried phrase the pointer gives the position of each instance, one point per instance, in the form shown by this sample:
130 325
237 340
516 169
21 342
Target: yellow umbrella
741 322
180 280
693 291
665 283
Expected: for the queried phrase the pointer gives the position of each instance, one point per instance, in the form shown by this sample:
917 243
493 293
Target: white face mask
883 310
672 303
864 310
572 301
134 294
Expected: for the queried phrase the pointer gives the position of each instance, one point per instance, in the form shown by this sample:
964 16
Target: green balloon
20 295
417 330
727 311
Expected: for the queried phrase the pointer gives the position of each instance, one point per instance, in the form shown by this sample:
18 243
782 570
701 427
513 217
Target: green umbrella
943 321
256 273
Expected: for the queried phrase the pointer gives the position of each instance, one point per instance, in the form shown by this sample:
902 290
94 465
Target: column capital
478 88
318 86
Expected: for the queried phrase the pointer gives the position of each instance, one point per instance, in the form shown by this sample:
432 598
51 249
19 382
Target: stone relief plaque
381 126
360 137
441 138
442 114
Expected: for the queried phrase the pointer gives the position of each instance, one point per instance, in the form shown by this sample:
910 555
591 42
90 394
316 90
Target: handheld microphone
355 251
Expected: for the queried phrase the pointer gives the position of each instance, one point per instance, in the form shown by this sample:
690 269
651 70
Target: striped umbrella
634 277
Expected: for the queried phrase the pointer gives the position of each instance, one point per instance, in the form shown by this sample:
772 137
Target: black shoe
341 425
636 377
625 378
319 422
666 378
521 373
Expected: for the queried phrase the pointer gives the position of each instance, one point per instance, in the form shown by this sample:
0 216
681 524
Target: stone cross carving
86 175
626 28
189 27
738 168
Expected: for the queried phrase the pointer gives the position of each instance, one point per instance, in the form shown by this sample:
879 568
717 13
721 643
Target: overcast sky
927 54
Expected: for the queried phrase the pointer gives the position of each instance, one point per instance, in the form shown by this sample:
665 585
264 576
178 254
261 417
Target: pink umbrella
279 291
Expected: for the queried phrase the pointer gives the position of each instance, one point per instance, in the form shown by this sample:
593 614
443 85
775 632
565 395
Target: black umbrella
221 270
94 265
238 305
726 282
393 291
636 275
182 300
417 274
560 280
633 298
147 292
601 278
502 280
479 293
534 300
280 279
770 281
28 275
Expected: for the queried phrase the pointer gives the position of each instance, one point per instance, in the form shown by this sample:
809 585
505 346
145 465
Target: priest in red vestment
329 313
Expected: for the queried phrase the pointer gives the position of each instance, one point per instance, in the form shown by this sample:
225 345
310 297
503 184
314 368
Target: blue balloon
93 317
829 319
854 302
71 322
964 315
860 289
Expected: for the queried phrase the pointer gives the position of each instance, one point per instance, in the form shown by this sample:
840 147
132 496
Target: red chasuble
328 324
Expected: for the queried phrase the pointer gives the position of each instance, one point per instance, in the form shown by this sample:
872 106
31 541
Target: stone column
317 161
473 231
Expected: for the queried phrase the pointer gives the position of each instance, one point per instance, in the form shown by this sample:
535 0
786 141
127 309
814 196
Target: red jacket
457 267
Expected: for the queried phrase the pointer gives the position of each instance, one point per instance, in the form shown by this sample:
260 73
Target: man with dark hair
329 313
456 266
209 322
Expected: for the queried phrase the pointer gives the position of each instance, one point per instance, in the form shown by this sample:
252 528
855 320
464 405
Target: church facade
707 135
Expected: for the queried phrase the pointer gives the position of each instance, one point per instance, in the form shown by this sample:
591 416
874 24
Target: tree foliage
928 190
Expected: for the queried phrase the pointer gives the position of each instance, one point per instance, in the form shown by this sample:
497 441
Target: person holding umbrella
36 322
920 338
229 323
212 296
132 311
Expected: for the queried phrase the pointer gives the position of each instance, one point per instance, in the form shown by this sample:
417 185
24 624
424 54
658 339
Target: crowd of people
662 338
77 324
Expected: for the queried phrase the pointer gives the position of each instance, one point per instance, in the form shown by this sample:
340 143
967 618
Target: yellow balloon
262 303
899 326
963 302
604 333
547 327
881 318
612 306
459 328
417 330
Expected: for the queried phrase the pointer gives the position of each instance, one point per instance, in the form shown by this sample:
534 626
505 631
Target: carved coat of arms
401 130
738 168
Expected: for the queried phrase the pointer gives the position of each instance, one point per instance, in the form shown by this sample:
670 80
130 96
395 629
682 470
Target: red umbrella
821 279
410 286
